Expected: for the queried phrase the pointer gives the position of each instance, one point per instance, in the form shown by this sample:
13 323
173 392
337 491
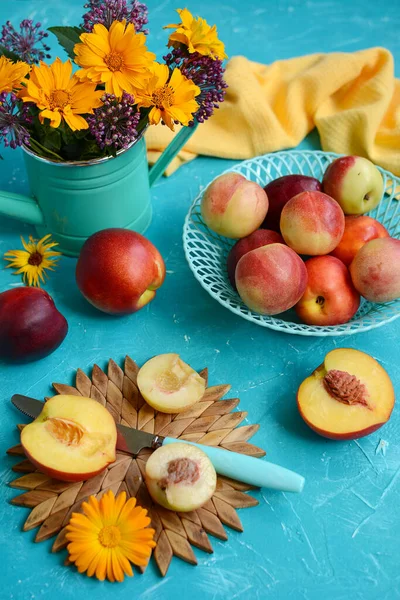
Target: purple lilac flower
13 121
23 43
107 11
205 72
114 124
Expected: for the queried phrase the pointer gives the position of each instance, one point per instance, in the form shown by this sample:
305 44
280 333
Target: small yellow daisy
33 262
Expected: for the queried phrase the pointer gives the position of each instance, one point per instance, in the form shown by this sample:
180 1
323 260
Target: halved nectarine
170 385
347 397
180 477
72 439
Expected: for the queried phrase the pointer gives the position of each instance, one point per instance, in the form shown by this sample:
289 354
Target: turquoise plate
206 251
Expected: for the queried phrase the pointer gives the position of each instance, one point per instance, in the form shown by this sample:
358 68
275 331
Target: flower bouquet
102 99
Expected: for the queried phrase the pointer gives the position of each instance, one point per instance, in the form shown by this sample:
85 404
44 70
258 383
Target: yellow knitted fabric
352 99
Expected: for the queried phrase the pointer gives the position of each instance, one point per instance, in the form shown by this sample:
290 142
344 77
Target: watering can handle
170 152
21 207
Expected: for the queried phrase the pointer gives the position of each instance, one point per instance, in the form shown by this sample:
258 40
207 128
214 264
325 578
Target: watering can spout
20 207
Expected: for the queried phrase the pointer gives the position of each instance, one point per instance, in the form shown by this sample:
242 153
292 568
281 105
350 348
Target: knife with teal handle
250 470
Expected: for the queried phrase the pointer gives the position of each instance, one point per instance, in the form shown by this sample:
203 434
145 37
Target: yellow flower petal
12 74
34 261
118 57
96 537
60 95
172 100
197 35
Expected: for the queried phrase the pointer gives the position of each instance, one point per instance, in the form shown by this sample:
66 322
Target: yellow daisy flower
11 74
170 101
108 536
33 262
60 95
197 35
117 58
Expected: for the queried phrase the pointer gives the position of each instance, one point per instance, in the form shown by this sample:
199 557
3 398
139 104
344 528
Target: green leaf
8 54
67 38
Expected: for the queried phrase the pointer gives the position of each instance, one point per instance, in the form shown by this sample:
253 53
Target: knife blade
248 469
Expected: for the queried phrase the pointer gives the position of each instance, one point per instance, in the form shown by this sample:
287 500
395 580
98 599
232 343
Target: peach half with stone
180 477
74 438
170 385
347 397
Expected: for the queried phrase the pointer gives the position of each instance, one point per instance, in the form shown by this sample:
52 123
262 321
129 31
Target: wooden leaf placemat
210 421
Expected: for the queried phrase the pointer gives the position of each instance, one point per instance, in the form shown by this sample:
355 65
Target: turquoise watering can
73 200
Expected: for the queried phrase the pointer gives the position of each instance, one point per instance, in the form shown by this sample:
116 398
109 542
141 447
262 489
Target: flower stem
39 149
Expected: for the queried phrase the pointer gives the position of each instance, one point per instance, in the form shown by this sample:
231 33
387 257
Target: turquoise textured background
337 540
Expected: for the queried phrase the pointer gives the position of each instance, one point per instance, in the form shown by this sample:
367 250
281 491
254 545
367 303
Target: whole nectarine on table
119 271
31 327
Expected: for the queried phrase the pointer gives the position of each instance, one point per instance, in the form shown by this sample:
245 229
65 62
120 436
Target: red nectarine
261 237
281 190
330 297
271 279
375 270
31 327
312 223
357 231
118 271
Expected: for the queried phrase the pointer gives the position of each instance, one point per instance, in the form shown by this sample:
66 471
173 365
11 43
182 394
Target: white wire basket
206 251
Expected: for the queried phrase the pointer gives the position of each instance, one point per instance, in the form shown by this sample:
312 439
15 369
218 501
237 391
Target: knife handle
248 469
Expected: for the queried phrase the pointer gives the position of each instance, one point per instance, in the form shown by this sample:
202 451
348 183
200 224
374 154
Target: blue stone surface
339 539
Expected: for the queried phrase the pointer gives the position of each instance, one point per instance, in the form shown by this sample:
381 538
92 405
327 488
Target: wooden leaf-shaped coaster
210 422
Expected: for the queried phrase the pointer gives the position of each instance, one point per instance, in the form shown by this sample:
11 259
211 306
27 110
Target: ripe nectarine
375 270
31 327
72 439
358 230
312 223
281 190
180 477
260 237
170 385
118 271
271 279
330 297
347 397
233 206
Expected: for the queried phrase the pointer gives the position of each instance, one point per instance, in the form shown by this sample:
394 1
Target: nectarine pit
345 388
181 469
65 431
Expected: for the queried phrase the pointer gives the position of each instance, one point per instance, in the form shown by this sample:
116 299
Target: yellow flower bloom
11 74
60 96
108 536
33 262
117 58
172 100
197 35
